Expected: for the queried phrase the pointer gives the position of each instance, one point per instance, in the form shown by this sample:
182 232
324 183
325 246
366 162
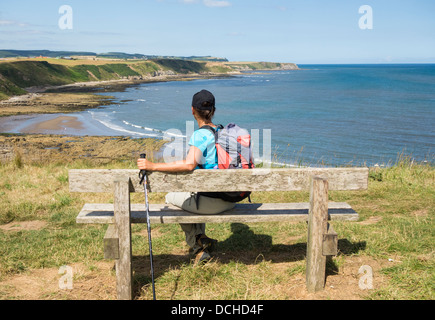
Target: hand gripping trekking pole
142 177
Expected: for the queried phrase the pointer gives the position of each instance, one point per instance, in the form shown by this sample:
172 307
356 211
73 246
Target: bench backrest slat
289 179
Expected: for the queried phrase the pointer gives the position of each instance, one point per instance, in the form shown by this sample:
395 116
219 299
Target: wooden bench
322 239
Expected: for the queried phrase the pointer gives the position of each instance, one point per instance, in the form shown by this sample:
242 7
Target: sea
320 115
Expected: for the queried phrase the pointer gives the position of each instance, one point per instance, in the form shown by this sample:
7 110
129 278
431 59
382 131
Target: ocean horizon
324 114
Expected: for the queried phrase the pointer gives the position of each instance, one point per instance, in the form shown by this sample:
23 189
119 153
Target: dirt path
97 281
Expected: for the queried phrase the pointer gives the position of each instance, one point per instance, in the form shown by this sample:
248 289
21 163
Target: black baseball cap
203 100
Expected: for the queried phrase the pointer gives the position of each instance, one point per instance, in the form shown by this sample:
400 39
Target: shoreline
80 96
56 124
70 124
49 109
40 101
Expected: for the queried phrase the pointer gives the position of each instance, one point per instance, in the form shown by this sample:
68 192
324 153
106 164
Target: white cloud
6 22
209 3
216 3
12 23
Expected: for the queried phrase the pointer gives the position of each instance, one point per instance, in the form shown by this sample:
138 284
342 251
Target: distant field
65 62
102 61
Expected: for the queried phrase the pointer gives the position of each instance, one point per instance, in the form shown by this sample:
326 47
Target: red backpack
234 151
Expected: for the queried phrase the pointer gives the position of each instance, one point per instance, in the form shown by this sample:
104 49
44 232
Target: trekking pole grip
142 172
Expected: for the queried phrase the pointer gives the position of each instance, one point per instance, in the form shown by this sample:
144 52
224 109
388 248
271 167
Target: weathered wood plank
317 227
243 212
111 243
330 242
289 179
123 226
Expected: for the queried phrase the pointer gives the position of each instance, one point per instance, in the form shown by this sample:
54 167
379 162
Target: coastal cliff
23 76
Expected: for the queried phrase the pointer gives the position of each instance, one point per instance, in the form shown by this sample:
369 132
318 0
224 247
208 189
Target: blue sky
310 31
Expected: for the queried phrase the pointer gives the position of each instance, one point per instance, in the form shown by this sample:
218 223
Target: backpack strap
213 130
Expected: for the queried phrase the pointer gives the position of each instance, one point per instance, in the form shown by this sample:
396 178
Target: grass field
38 235
17 75
72 62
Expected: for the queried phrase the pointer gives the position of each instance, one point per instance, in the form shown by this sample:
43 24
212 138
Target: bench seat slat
290 179
243 212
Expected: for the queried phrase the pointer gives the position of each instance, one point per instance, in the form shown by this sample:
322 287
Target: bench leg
111 243
123 228
317 227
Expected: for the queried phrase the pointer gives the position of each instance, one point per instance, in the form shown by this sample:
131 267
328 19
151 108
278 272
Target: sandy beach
72 124
34 112
60 123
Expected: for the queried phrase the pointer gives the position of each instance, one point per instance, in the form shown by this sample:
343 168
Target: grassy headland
50 85
38 234
42 75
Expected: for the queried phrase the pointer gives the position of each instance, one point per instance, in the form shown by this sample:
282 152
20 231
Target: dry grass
44 149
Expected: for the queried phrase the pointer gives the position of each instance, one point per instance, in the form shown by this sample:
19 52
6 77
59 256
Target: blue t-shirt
203 139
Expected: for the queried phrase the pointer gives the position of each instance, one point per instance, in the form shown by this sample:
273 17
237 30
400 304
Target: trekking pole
142 176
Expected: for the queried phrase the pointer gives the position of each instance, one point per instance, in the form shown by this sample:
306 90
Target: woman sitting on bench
202 154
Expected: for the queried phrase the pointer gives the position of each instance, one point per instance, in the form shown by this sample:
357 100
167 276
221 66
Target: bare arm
189 164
